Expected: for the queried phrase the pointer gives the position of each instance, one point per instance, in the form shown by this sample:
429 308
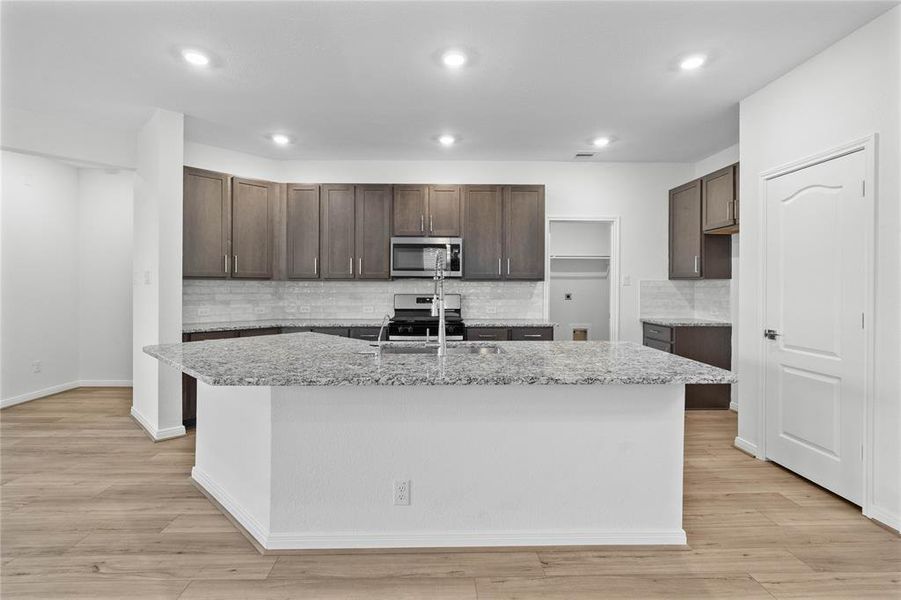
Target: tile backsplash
206 301
701 299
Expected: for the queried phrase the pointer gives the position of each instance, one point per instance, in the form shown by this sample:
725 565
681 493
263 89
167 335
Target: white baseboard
430 539
49 391
157 435
733 406
746 446
63 387
883 516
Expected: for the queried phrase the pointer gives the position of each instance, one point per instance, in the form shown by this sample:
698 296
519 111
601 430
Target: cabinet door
253 211
483 227
365 333
411 208
445 214
487 334
524 232
532 334
339 331
336 218
207 215
373 224
718 199
685 240
302 231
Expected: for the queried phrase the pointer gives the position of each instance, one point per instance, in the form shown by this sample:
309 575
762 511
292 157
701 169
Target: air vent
584 154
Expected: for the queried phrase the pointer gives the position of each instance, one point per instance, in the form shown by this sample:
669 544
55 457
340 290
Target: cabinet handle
226 263
351 265
532 335
360 266
487 336
431 229
422 223
315 265
498 266
508 266
236 263
697 264
654 330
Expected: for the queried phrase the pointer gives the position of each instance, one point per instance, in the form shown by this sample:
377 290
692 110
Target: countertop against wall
685 322
337 322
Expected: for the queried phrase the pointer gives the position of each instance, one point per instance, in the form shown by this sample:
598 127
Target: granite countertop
336 322
312 359
685 322
264 324
502 322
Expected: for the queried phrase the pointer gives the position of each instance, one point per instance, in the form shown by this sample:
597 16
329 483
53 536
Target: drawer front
213 335
487 334
658 332
658 345
365 333
533 334
341 331
263 331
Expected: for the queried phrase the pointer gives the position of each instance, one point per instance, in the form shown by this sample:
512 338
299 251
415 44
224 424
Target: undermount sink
477 350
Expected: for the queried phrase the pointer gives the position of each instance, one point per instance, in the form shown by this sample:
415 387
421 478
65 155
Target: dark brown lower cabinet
503 334
365 333
710 345
188 383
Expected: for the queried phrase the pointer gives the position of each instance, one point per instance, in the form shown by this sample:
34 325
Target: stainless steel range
413 320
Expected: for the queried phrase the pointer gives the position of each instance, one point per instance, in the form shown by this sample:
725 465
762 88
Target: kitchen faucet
385 320
438 302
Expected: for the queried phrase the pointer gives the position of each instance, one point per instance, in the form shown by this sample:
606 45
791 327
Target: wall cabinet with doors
719 196
427 210
372 242
228 226
503 232
302 231
692 253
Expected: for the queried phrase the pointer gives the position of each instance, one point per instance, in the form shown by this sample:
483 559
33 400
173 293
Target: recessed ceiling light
454 59
195 57
600 142
690 63
281 139
446 140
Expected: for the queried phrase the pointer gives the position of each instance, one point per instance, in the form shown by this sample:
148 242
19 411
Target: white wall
104 276
157 279
847 92
637 192
723 158
65 277
39 276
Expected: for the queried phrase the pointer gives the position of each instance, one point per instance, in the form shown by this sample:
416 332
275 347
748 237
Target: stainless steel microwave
415 256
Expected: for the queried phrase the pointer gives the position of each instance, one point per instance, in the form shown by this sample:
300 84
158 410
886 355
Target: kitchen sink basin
433 350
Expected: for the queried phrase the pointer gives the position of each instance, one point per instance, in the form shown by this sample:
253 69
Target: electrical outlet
627 280
402 492
203 312
368 310
490 309
304 309
259 310
36 366
147 278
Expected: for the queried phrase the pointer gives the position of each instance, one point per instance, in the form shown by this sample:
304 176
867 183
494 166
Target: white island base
507 465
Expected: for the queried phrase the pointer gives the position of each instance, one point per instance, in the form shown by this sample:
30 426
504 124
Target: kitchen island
311 441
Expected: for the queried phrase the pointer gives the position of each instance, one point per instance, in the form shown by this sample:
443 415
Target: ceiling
363 80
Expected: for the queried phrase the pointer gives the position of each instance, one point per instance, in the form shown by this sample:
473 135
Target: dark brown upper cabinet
720 201
302 231
483 232
523 233
337 231
207 221
445 211
692 254
253 217
373 231
411 208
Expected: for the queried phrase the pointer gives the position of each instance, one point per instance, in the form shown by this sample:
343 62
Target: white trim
157 435
256 529
868 145
880 514
746 446
733 406
29 396
612 274
427 539
63 387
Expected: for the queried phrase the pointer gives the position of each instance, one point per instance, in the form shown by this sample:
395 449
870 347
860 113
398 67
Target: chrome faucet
385 320
438 302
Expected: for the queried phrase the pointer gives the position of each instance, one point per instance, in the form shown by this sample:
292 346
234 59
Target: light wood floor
91 508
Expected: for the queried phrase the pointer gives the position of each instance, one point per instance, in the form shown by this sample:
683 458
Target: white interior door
815 301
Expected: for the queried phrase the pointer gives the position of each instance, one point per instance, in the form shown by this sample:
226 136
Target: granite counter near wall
214 301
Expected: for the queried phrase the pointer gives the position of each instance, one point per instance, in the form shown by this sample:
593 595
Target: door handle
422 223
697 264
236 263
431 228
498 266
771 334
351 265
360 266
226 263
508 266
315 265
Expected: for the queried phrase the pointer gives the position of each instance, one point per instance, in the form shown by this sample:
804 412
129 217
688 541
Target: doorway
581 290
817 294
